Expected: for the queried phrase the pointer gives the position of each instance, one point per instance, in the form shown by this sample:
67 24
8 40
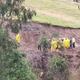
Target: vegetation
43 43
57 12
55 35
58 69
13 10
15 28
12 63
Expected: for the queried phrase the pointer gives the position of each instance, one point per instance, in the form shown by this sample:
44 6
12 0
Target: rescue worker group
56 44
53 44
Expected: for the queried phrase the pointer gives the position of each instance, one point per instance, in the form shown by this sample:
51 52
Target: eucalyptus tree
3 11
14 9
12 62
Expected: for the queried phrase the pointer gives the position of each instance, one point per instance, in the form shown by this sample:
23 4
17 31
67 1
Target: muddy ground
31 32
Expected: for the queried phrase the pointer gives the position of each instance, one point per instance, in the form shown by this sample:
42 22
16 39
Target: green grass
46 9
55 21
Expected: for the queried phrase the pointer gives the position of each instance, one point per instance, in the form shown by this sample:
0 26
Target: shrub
15 27
13 67
55 35
44 43
58 69
12 63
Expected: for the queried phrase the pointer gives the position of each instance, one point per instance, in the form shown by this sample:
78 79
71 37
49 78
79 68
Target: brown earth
31 32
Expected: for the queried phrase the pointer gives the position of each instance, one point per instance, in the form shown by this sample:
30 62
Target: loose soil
31 32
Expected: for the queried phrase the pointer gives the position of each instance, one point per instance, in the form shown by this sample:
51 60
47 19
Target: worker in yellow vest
54 45
66 43
60 44
18 38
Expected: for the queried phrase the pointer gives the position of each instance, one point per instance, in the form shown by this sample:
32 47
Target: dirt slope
33 31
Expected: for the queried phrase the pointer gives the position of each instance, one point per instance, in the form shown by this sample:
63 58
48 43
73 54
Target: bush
44 43
15 27
6 43
55 35
12 63
13 67
58 69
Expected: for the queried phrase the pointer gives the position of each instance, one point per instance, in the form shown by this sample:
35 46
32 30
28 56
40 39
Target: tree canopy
12 63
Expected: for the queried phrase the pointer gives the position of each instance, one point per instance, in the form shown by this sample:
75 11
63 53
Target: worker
73 42
43 44
66 43
39 47
18 38
54 45
39 44
60 44
49 44
71 45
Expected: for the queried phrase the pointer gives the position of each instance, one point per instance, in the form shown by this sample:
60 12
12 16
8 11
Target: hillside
57 12
31 34
45 46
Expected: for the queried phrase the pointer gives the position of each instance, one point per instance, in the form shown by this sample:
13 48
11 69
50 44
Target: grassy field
57 12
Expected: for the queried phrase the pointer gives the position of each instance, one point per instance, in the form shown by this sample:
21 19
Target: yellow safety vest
66 43
54 44
59 44
18 38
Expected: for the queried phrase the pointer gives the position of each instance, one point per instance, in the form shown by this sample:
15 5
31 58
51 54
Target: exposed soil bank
31 33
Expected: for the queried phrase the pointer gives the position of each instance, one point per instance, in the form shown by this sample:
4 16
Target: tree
14 8
12 63
3 11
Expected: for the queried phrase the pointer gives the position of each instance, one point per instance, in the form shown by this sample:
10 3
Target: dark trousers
39 47
74 45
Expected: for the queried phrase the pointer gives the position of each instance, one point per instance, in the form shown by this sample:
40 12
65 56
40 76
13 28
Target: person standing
18 38
66 43
54 45
73 42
